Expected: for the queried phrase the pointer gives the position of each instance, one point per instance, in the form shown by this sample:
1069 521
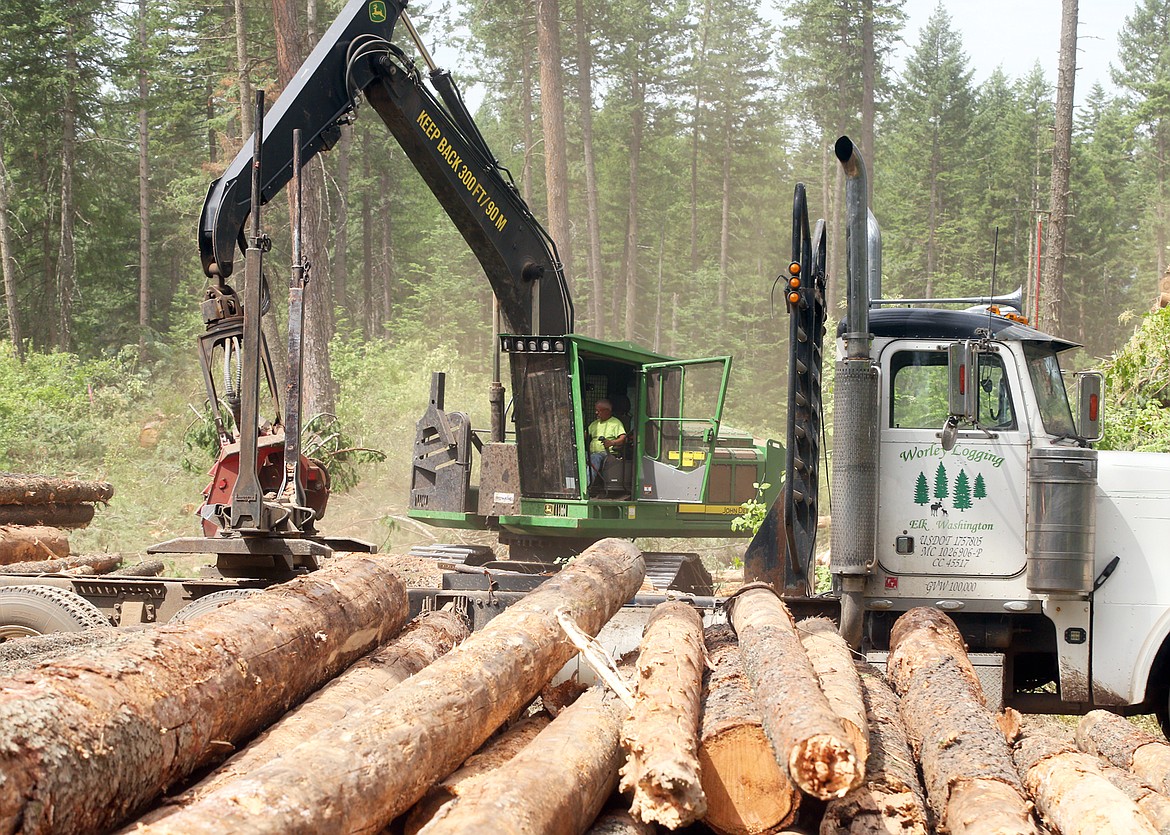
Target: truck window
919 391
1051 397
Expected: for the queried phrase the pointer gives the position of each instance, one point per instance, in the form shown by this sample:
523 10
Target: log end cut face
824 767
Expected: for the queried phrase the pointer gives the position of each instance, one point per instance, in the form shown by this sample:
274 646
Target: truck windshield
1051 397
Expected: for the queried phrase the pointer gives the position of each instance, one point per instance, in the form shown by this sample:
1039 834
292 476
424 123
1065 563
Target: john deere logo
378 11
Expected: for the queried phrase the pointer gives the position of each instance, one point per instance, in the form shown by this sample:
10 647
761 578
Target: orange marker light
794 283
794 298
794 268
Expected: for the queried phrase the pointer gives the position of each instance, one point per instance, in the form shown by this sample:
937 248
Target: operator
605 433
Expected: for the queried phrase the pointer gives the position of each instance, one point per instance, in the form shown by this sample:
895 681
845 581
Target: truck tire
40 610
210 601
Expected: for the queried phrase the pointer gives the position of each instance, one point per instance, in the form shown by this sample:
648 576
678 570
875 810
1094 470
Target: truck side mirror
963 378
1089 405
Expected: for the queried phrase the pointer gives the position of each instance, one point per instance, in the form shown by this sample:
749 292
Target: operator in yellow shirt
606 433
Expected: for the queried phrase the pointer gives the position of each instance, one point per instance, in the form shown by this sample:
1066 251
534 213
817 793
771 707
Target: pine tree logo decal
962 492
921 491
940 482
980 487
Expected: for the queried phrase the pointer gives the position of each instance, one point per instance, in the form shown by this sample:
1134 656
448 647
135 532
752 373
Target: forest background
685 125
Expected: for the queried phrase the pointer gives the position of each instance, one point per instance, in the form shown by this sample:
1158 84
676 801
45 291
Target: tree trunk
971 781
619 822
1126 746
143 185
747 791
80 563
317 384
696 131
832 660
67 254
556 785
592 210
8 263
21 543
526 119
34 650
1072 794
382 326
868 76
53 514
369 314
1154 805
41 489
552 117
494 754
637 125
660 737
421 642
377 765
725 227
1052 278
806 735
890 800
92 738
145 568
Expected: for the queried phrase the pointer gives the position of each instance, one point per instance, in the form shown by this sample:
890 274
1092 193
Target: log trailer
961 481
682 472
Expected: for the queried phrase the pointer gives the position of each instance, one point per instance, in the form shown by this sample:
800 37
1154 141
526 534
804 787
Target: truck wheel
39 610
211 601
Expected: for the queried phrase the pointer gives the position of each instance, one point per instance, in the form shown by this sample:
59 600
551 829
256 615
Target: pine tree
980 487
962 492
921 491
941 491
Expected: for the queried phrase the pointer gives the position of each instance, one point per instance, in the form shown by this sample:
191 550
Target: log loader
963 479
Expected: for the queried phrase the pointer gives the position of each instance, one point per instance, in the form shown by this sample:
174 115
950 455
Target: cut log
495 753
1072 794
620 822
971 781
371 768
78 563
89 739
660 737
145 568
832 660
1154 805
54 515
806 735
555 786
42 489
23 653
747 791
23 543
1126 746
420 643
890 801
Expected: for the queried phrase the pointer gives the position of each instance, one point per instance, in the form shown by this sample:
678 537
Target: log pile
35 512
318 709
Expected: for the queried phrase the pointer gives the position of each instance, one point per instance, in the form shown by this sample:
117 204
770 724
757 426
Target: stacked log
660 736
1126 746
35 508
971 781
747 791
76 564
89 739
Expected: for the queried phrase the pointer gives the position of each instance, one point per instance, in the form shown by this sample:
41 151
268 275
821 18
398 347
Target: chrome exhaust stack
855 431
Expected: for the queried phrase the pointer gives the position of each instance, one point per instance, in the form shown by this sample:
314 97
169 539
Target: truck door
681 405
949 519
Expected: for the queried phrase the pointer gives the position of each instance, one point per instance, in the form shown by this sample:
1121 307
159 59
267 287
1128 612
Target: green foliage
752 517
328 442
1137 413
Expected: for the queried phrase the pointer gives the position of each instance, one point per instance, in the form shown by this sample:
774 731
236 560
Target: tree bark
1052 278
90 739
806 735
555 786
592 210
832 661
1126 746
890 801
696 131
552 117
423 640
38 489
637 126
971 781
67 252
377 765
868 78
618 822
1072 794
52 514
341 221
8 263
23 654
21 543
660 736
145 568
494 754
143 184
725 226
83 563
1154 805
243 71
747 791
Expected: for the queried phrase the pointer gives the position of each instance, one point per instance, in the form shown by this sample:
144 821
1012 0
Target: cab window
918 395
